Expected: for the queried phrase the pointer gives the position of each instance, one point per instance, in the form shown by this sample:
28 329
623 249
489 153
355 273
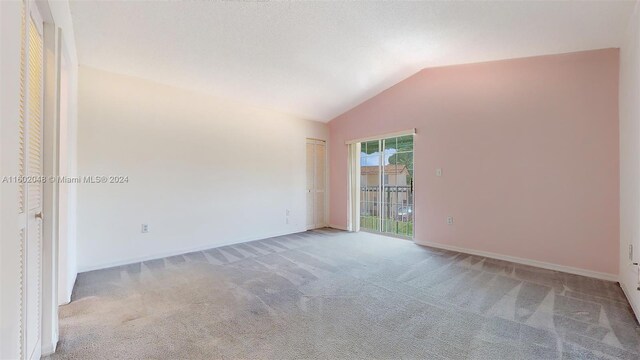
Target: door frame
52 45
51 160
66 168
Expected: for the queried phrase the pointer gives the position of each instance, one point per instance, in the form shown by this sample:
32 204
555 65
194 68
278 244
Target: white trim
316 141
536 263
382 136
183 251
50 133
48 349
67 295
338 227
387 234
353 179
636 311
37 355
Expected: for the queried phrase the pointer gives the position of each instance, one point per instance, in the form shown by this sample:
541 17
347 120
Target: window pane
391 144
405 143
370 147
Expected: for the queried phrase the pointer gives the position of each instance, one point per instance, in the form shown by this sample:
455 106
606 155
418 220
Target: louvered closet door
320 184
316 179
310 184
30 194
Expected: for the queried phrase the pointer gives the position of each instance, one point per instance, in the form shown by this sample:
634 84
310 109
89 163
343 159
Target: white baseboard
72 285
536 263
182 251
333 226
50 348
635 309
69 291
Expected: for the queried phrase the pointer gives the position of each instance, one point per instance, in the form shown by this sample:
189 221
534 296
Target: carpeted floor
332 294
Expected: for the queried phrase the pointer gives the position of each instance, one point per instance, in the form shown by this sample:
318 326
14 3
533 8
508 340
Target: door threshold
408 238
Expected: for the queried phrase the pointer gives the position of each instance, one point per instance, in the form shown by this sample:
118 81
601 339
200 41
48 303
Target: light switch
438 172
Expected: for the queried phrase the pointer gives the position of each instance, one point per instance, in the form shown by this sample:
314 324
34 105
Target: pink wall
528 148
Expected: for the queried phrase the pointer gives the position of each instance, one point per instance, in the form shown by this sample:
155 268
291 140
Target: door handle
39 215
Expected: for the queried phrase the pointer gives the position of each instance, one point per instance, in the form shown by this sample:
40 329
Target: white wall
629 95
202 171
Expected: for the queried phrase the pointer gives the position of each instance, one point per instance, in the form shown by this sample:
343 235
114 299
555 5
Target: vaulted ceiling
319 59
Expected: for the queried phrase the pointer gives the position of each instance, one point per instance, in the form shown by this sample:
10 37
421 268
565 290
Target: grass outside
389 225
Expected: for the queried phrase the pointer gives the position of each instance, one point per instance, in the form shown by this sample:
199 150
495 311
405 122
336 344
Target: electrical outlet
144 228
450 220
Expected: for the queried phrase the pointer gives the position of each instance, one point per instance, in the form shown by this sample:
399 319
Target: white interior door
316 183
31 192
320 179
310 184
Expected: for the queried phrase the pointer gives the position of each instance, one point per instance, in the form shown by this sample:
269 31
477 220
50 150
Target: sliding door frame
353 220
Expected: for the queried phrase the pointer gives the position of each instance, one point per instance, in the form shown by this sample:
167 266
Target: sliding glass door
386 186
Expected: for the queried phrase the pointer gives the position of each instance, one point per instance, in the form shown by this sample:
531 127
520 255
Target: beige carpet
331 294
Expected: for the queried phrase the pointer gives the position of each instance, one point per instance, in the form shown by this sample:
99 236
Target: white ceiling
319 59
